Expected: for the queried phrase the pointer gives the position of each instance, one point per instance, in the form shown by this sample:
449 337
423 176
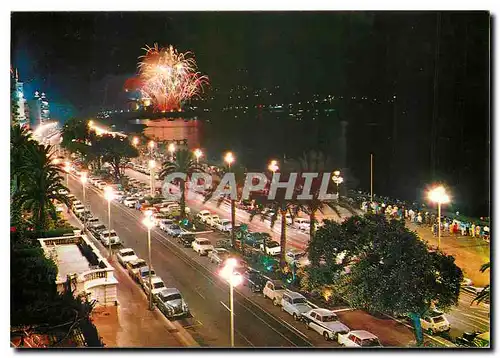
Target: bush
58 232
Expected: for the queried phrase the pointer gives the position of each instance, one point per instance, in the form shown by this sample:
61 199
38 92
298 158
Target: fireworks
169 78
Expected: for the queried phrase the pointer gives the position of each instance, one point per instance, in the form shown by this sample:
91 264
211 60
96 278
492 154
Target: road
206 294
463 318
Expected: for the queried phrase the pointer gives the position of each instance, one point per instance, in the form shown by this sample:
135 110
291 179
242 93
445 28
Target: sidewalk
131 323
469 252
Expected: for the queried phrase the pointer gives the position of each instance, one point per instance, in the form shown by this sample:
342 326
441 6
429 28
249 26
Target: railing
95 274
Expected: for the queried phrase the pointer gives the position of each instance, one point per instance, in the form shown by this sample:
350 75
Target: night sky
437 64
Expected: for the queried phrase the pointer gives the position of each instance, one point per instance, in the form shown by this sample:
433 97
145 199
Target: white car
78 209
202 246
296 257
107 236
126 255
63 191
156 282
294 304
302 224
76 202
130 202
324 322
435 322
224 225
213 220
358 339
165 223
272 248
274 290
203 215
218 255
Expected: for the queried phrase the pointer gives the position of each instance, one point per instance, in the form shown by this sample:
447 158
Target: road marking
295 329
198 292
126 228
222 303
242 336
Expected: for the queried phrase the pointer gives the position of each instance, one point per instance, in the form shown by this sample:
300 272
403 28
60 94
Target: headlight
184 306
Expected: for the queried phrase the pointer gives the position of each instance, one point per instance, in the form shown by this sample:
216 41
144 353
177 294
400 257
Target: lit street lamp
67 168
83 179
198 153
227 272
337 179
229 159
109 195
148 222
171 149
151 146
135 141
152 165
273 166
438 195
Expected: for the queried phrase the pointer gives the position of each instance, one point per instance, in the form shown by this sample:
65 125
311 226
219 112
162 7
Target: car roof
136 261
277 282
156 279
324 312
146 268
293 294
204 212
221 249
169 290
122 251
363 334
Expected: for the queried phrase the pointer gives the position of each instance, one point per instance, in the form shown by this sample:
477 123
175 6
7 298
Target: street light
273 166
135 141
198 153
151 146
229 159
109 195
67 168
438 195
337 179
171 149
152 165
227 272
83 179
148 222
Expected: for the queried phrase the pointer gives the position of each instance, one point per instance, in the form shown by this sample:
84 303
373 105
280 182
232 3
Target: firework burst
169 78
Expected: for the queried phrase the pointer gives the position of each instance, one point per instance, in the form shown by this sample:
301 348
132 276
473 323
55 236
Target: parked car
254 280
125 255
202 246
63 191
134 266
187 240
224 225
171 303
358 338
203 215
130 202
107 236
78 209
156 283
296 257
295 304
274 290
97 229
302 224
143 274
157 217
435 322
272 248
218 255
92 221
164 223
173 230
324 322
213 220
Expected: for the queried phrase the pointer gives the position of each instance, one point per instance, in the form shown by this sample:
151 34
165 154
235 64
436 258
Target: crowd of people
449 225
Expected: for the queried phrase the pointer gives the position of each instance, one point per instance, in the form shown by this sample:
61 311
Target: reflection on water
253 138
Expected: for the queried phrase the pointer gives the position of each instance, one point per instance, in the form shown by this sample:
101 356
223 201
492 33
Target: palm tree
184 162
312 162
20 141
484 295
41 185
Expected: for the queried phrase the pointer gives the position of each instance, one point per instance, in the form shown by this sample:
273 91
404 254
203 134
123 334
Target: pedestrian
462 228
419 218
473 230
406 213
478 230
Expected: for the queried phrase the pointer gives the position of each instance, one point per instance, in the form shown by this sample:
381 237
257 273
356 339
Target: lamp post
151 146
227 272
67 168
229 159
152 165
198 153
273 166
83 179
148 222
109 195
337 179
438 195
171 149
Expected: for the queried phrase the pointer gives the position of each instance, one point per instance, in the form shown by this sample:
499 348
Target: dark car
254 280
186 240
